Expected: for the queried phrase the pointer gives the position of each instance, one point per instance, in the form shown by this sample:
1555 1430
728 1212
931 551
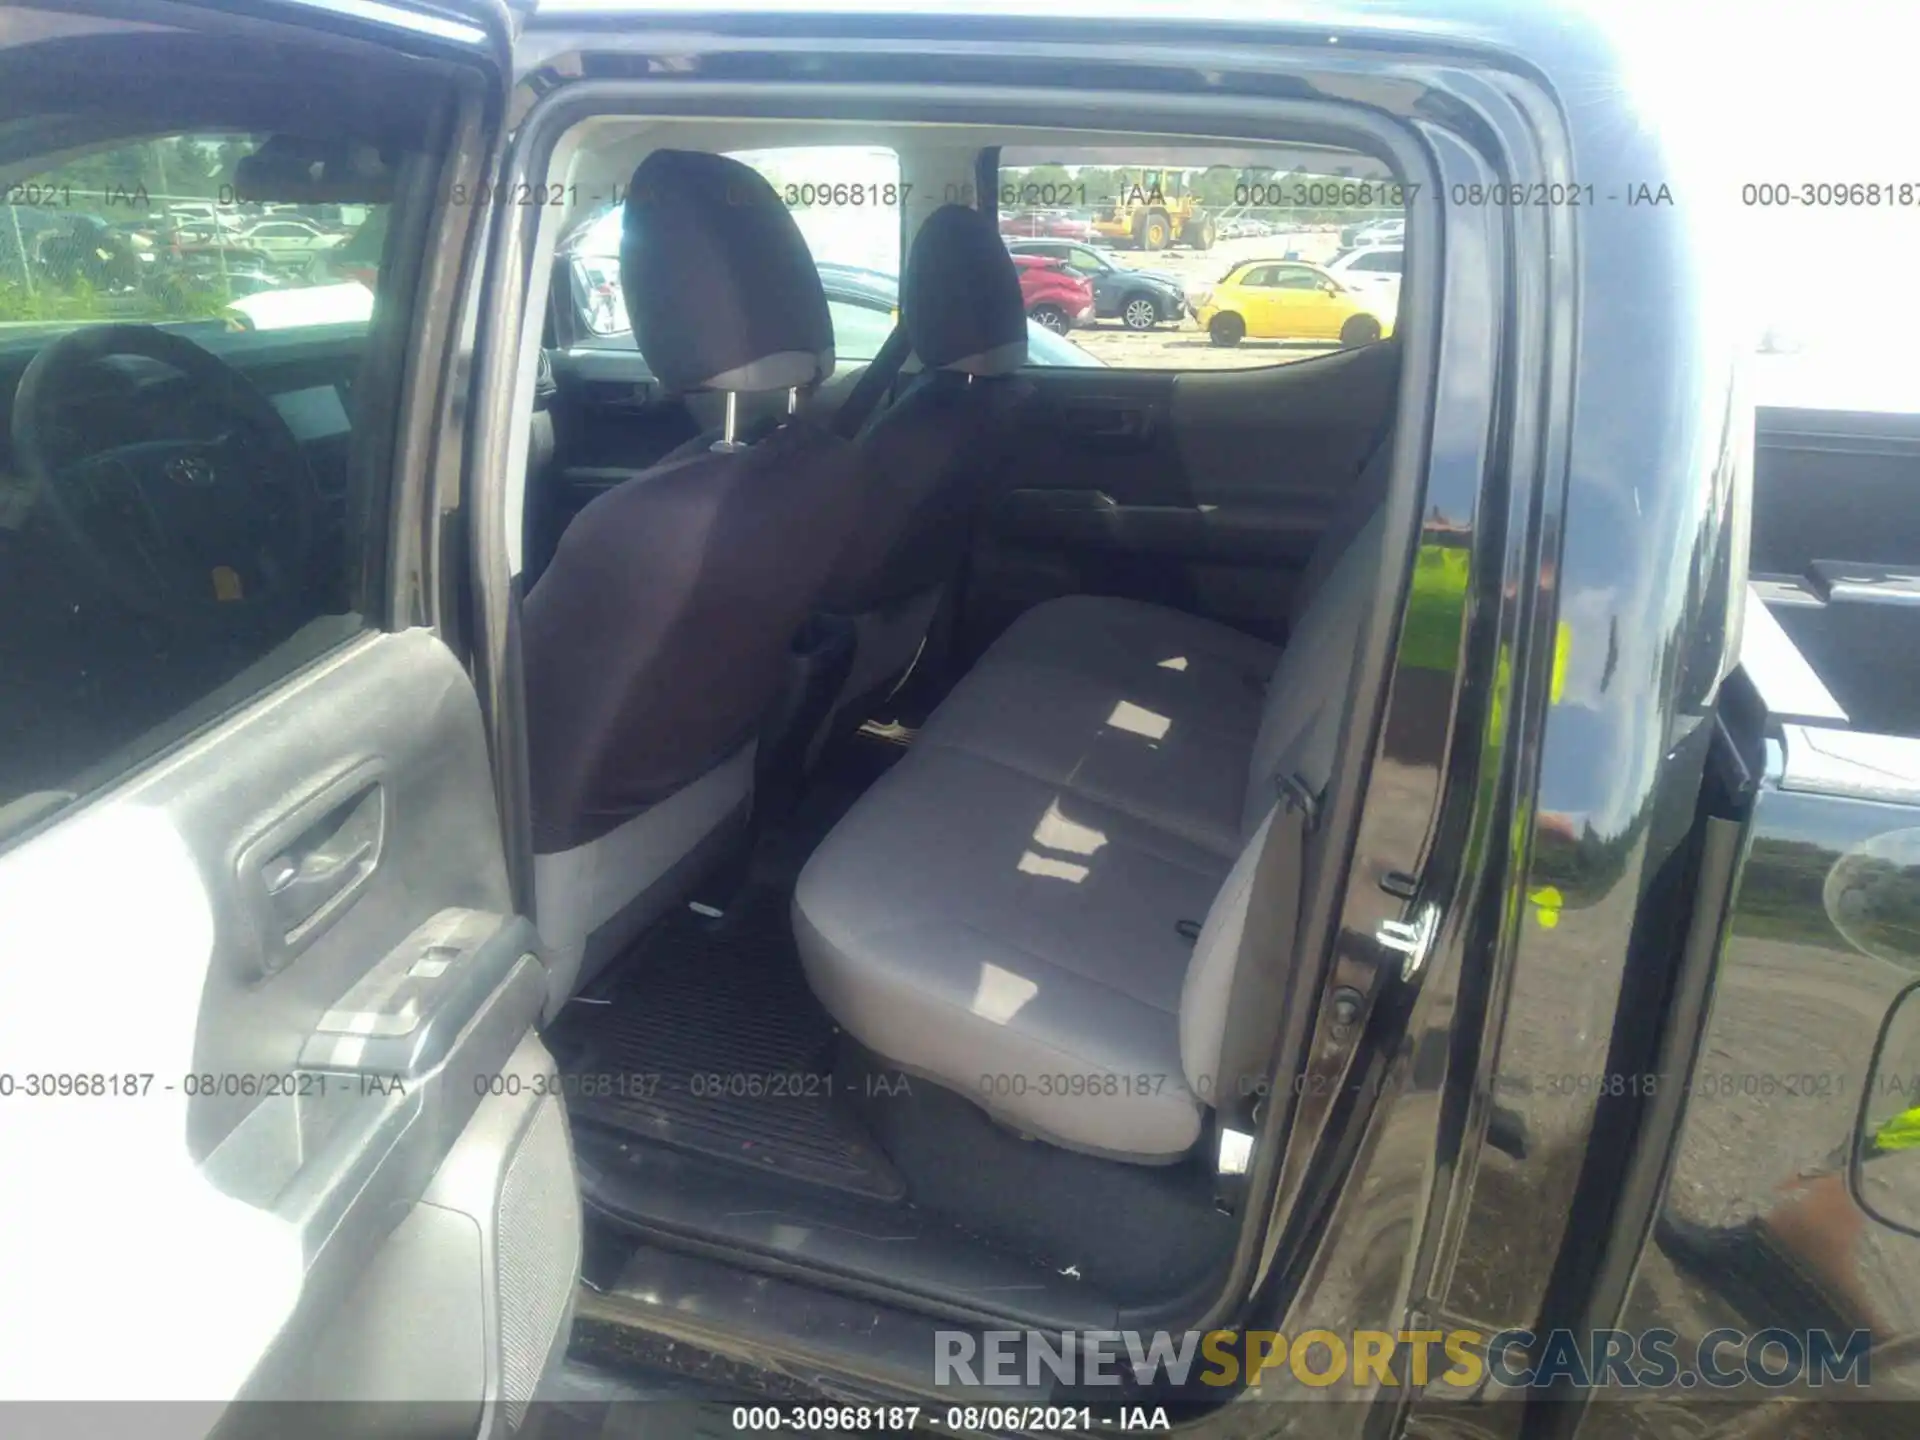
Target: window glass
108 238
1155 234
1381 261
1075 258
184 513
858 330
846 201
1291 277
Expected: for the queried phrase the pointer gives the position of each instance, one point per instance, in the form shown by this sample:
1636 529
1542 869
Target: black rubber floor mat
711 1042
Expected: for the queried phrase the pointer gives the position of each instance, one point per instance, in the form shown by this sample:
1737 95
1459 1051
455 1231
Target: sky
1804 91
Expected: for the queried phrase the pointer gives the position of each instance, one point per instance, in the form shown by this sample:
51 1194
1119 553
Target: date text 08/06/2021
963 1419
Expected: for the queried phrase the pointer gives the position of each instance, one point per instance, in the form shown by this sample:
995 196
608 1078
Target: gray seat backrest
1306 708
1306 701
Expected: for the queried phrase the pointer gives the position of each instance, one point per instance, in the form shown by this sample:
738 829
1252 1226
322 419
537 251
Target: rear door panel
391 724
1203 491
405 1027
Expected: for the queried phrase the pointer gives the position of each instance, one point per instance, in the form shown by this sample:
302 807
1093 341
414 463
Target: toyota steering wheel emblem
190 470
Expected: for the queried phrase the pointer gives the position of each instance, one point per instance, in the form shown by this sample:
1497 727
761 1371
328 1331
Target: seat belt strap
873 383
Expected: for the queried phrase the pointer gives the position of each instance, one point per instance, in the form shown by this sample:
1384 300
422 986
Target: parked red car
1045 225
1055 296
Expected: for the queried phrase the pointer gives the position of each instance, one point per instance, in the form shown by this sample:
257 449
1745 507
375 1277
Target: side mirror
1330 287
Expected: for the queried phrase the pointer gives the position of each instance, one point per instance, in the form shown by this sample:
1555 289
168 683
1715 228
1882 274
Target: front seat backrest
960 305
658 635
928 454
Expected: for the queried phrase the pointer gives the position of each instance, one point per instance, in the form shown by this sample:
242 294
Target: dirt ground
1185 346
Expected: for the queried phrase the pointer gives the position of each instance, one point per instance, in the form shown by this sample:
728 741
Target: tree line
1218 187
181 168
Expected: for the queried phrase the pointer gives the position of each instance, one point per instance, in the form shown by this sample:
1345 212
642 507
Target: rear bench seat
1010 910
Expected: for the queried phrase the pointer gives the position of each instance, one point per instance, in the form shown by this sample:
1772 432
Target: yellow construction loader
1153 210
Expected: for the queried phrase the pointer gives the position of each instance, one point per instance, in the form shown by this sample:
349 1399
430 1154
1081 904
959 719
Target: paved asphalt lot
1185 346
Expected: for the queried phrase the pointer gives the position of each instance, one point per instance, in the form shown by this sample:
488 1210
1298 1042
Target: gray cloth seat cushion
1167 657
1145 709
1014 942
1004 910
1013 910
1180 770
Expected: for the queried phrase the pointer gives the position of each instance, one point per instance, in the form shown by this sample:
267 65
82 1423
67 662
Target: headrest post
793 401
729 426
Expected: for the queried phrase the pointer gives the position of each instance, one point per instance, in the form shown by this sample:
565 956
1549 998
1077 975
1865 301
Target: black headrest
720 287
961 301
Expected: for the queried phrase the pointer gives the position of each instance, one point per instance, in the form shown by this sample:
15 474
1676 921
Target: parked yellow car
1288 300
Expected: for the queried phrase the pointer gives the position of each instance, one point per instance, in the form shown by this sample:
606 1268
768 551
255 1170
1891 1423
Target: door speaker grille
539 1253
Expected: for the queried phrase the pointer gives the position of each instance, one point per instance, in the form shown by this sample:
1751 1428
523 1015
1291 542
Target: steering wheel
169 526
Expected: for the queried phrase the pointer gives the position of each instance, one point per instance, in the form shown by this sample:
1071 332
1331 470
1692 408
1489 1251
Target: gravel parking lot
1318 246
1185 346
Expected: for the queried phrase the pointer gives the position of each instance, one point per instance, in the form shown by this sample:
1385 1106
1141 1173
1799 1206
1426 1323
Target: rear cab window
1169 240
848 202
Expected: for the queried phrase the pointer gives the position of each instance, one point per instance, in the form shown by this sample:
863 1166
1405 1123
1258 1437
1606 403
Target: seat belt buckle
1295 794
1233 1157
